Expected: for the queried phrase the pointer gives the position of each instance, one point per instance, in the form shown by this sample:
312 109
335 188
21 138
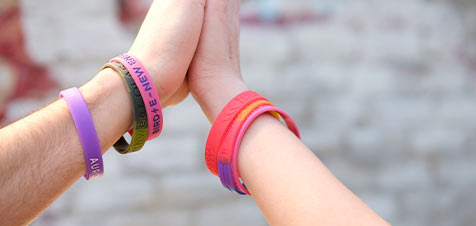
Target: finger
220 33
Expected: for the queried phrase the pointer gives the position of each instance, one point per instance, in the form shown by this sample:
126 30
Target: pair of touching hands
192 46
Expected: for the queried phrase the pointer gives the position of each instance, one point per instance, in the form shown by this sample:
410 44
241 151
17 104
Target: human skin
288 182
41 155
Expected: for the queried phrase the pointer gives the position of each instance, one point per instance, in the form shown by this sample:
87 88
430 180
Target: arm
37 165
291 185
41 155
288 182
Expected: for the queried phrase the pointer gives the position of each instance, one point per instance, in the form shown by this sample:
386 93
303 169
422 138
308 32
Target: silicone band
226 147
139 113
222 122
86 131
255 114
248 110
226 177
147 90
225 151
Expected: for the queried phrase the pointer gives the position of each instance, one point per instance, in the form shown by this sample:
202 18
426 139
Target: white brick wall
378 90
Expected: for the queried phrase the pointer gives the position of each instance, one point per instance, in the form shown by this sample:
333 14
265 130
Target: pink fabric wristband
255 114
86 131
148 91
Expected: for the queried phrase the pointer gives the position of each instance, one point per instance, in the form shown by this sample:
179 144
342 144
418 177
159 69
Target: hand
166 44
214 76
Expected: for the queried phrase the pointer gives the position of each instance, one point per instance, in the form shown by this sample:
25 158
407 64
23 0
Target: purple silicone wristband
226 177
87 133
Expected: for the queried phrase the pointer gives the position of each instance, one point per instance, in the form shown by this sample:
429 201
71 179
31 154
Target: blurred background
383 91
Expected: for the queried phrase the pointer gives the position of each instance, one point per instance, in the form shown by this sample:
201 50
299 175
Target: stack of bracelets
223 144
146 111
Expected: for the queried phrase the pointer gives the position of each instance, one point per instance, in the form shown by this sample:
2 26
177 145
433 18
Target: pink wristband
148 91
255 114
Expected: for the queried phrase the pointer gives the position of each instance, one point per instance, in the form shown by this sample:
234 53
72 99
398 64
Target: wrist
168 78
217 93
157 75
107 94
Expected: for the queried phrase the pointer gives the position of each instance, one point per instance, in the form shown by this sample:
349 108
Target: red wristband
225 150
222 123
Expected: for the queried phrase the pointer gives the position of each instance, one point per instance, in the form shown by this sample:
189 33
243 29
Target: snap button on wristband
86 131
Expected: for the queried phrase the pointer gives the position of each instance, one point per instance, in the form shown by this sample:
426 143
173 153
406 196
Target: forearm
291 185
288 182
42 156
